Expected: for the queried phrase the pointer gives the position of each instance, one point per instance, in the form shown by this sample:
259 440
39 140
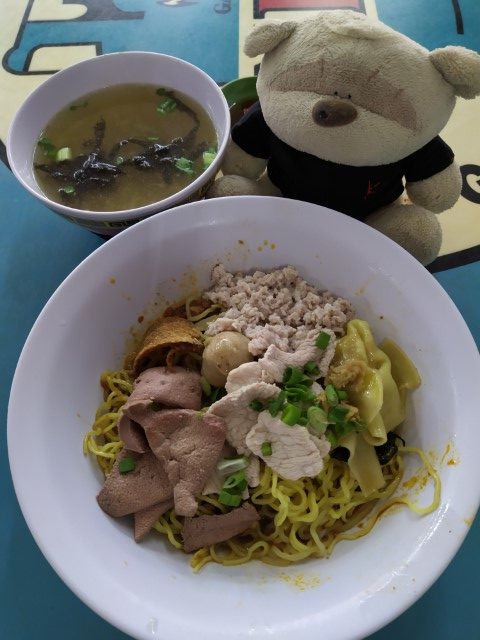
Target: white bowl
146 589
75 81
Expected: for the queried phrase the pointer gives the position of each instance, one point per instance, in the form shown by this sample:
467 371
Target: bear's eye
349 96
335 93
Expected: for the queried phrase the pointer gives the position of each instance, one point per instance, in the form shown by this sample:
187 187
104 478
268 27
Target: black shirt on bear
356 191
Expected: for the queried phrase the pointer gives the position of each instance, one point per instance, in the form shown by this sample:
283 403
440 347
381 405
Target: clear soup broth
123 147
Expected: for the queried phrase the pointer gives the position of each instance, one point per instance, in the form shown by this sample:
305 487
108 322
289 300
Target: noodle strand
298 519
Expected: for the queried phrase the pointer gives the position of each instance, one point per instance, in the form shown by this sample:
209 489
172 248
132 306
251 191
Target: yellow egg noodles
102 440
307 517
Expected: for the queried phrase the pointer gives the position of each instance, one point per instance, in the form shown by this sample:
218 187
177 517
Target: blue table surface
37 251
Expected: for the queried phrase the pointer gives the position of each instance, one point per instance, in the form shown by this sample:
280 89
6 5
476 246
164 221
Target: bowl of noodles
247 427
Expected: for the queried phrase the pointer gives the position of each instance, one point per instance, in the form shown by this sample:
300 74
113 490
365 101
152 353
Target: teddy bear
348 117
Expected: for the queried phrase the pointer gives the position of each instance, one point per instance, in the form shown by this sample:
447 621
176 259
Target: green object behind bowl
240 94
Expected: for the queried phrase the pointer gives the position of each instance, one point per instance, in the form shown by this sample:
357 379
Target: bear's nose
333 113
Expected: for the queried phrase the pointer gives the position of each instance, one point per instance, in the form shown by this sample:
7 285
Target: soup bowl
68 85
149 590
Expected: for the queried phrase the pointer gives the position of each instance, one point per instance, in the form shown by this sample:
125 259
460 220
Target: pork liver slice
161 386
146 485
189 445
203 531
146 518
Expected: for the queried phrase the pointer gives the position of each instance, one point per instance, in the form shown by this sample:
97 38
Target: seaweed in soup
105 162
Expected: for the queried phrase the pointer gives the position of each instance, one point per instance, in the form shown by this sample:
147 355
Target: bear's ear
460 67
266 37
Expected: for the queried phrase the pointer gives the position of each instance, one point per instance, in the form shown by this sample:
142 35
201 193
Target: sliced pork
203 531
271 366
236 411
275 361
295 452
247 373
252 472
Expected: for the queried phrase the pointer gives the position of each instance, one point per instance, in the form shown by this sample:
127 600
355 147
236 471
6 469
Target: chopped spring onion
208 157
331 437
228 466
69 190
323 340
338 413
266 449
303 421
275 405
292 376
119 160
299 393
160 91
236 481
46 143
152 138
228 499
291 414
317 418
296 385
311 368
256 405
74 107
342 395
331 394
47 146
344 428
185 165
166 105
206 388
65 153
126 465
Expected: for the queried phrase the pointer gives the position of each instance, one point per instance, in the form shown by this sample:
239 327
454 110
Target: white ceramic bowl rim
369 582
126 214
